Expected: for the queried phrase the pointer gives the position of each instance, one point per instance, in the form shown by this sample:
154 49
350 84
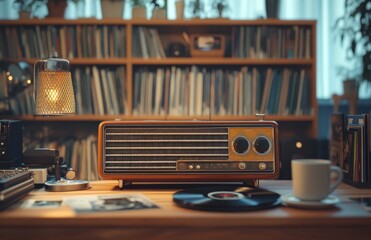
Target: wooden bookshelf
292 124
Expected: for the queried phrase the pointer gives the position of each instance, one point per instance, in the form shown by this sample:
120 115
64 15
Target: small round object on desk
70 174
226 198
64 185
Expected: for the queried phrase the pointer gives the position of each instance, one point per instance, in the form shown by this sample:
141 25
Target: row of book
186 91
147 43
100 91
194 91
22 103
350 147
80 154
71 41
271 42
109 41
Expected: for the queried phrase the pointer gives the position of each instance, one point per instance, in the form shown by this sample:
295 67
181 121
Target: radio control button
242 165
190 167
262 166
262 145
241 145
198 167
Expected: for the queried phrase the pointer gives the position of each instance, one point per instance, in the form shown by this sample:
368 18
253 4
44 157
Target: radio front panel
181 150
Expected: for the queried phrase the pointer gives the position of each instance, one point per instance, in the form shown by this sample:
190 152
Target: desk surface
346 220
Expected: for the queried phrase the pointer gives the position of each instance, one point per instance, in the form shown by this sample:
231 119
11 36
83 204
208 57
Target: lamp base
64 185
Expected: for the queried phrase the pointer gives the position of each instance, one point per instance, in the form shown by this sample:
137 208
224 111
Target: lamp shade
53 89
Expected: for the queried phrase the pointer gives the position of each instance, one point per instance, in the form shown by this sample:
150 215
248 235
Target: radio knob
262 145
198 167
190 167
242 165
241 145
262 166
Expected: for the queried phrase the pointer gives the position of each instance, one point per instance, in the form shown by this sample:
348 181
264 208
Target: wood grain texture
347 220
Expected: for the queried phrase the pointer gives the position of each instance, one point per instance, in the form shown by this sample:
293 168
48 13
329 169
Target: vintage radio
188 151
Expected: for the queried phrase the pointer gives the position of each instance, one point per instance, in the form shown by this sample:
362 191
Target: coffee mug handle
339 172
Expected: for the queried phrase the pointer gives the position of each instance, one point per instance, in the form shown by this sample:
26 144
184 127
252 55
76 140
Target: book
142 41
198 96
267 90
112 86
106 95
97 91
298 110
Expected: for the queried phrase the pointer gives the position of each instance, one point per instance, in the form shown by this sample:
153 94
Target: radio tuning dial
262 145
241 145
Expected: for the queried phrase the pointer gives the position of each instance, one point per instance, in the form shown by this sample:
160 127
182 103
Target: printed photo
42 204
104 203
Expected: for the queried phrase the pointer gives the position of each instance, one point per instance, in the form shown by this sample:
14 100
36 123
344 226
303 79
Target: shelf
176 61
220 61
93 118
155 22
77 61
58 21
219 22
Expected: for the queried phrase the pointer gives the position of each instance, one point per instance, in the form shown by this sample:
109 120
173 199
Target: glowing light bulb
53 95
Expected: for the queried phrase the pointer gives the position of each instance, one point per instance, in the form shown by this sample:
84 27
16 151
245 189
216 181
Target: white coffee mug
311 178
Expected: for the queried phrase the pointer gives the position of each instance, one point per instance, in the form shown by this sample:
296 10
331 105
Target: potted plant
56 8
159 12
350 81
139 9
353 28
272 8
25 7
220 7
112 8
179 9
197 8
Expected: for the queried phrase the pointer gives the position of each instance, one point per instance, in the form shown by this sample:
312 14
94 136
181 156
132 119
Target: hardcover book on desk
350 147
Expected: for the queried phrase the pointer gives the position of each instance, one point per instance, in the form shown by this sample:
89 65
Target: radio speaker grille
147 149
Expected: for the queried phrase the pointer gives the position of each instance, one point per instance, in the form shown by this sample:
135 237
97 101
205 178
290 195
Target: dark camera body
46 158
11 138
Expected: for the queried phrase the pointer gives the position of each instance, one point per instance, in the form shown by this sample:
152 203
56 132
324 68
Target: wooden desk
347 221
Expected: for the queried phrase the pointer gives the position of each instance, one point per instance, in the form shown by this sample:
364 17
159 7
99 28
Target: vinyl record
228 198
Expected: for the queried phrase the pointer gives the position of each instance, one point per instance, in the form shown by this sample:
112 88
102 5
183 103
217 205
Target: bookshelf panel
122 69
